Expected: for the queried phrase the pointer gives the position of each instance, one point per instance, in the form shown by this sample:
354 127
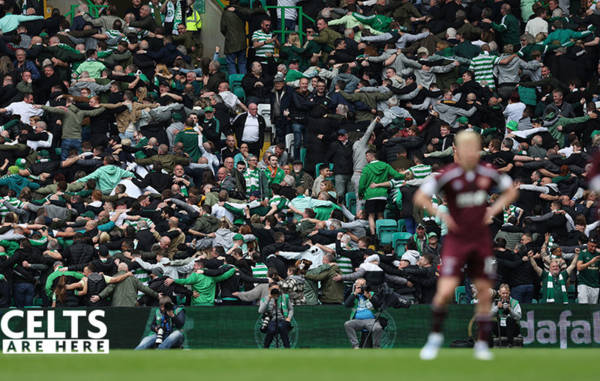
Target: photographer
167 325
278 311
363 314
508 312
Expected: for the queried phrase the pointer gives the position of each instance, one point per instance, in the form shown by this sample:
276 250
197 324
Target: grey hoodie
449 114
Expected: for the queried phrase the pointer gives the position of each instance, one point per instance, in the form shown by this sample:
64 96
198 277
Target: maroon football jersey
467 194
595 174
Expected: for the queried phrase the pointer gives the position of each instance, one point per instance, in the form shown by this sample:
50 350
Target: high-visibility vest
193 22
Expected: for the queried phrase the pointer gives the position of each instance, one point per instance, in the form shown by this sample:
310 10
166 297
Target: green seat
223 62
385 229
351 202
240 93
399 241
460 295
235 80
401 225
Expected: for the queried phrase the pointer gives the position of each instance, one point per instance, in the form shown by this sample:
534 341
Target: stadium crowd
133 166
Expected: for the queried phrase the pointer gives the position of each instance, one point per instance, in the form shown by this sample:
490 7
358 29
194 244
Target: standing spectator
588 274
376 198
249 128
340 154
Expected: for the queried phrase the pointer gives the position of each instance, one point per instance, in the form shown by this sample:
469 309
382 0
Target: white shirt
230 99
536 25
220 212
251 130
24 110
514 111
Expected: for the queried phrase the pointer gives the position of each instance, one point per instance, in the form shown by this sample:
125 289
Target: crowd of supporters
134 166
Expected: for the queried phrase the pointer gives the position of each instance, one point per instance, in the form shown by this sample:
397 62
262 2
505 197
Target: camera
159 336
275 292
265 323
169 306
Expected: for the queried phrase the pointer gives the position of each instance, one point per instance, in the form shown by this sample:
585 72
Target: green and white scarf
550 288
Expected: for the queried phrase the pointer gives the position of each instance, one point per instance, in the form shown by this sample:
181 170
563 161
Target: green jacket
124 293
17 183
57 274
370 99
562 121
234 29
72 119
332 291
107 177
93 67
509 30
327 38
376 172
190 139
205 286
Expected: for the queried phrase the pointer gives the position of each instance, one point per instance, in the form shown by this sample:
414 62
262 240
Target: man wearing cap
588 274
211 127
302 179
280 101
340 154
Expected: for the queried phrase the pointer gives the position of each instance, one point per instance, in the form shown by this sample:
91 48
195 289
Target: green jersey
589 276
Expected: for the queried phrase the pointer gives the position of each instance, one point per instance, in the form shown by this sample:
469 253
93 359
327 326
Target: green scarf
549 284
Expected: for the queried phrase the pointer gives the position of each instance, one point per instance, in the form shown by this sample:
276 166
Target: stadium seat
401 225
240 93
289 144
264 110
235 80
399 241
351 202
385 229
223 63
302 154
460 295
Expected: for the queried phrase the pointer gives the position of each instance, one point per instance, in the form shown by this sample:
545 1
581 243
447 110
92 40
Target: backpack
96 283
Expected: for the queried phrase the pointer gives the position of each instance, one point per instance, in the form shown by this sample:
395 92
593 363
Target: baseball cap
209 109
432 234
420 226
21 163
422 50
513 125
238 237
463 120
342 131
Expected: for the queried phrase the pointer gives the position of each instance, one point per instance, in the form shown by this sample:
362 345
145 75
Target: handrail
93 10
301 16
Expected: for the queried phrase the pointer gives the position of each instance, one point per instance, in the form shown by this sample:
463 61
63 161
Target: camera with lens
265 323
275 292
159 336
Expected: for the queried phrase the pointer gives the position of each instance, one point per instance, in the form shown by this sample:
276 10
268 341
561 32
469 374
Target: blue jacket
17 183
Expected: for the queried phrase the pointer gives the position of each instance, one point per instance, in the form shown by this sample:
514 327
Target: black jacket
341 156
240 122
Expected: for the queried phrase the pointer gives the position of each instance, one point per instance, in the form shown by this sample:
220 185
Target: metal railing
301 16
93 10
283 33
